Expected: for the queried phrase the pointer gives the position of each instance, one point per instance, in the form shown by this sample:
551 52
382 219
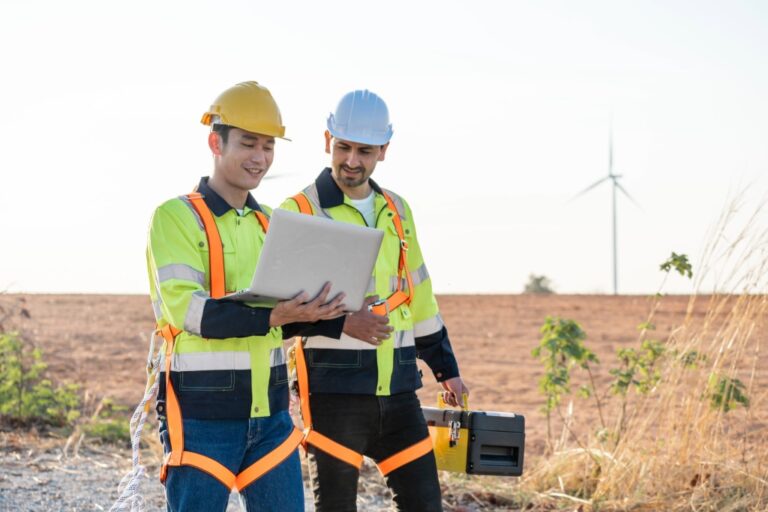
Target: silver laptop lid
303 252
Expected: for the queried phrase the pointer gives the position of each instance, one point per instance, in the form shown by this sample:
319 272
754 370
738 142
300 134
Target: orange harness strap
269 461
398 298
403 457
303 203
178 456
338 450
215 249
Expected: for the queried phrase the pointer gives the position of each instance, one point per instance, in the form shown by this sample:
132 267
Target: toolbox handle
442 405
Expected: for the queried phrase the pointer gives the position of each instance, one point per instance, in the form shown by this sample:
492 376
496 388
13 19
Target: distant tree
538 284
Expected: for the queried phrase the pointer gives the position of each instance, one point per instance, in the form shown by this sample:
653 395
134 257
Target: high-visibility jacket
349 365
227 362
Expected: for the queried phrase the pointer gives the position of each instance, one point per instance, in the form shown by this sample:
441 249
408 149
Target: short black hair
222 130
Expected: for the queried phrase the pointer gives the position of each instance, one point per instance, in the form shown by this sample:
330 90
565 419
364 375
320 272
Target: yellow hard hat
248 106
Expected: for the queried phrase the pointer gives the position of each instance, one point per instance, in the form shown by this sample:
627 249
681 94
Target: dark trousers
377 427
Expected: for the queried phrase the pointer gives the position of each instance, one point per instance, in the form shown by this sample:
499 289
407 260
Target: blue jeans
236 444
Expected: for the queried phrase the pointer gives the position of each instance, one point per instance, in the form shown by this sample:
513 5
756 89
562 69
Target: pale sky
501 114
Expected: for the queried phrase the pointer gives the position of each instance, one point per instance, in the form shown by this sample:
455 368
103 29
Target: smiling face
241 161
352 163
245 158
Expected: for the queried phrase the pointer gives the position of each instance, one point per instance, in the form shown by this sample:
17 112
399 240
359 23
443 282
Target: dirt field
100 342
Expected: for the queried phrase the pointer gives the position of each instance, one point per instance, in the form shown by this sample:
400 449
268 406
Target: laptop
302 252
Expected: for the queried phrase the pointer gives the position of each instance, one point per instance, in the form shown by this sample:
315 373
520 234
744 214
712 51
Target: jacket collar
329 192
217 204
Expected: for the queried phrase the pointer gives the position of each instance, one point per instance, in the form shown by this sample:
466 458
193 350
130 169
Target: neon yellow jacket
349 365
228 362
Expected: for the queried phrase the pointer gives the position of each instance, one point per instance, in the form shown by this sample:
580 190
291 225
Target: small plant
680 263
108 423
25 395
539 285
560 349
638 370
726 393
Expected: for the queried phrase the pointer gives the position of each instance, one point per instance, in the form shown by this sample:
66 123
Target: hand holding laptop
298 309
366 325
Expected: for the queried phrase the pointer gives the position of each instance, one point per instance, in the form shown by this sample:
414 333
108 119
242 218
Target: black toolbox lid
477 420
498 421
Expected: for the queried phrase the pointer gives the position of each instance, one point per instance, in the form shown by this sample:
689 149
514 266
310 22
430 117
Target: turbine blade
589 188
610 149
624 191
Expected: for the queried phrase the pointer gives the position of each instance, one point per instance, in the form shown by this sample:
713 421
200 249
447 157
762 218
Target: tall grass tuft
698 440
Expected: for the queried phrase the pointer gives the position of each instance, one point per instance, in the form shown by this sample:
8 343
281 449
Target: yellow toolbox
476 442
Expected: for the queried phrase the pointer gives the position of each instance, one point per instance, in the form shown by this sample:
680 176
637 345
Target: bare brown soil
101 341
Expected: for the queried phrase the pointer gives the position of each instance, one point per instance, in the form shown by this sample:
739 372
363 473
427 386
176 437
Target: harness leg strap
269 461
403 457
333 448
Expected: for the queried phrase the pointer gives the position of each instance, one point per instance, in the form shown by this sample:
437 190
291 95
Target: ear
214 142
327 142
383 152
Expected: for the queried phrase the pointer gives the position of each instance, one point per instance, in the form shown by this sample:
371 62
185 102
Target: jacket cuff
435 350
328 328
229 319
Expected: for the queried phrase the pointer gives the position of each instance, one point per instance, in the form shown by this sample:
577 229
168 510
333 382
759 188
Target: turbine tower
614 178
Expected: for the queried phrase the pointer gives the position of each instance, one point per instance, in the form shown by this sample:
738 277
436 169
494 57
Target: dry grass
678 452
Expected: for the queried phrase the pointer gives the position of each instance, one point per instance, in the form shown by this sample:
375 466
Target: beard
352 181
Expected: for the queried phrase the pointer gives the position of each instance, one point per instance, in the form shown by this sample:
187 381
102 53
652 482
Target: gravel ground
48 474
36 474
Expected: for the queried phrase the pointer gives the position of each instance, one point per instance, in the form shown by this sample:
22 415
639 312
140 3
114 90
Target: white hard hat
362 117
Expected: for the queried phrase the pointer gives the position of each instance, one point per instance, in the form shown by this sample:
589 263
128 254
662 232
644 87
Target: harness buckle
404 245
378 303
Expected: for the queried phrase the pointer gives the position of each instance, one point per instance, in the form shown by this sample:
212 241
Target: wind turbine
614 178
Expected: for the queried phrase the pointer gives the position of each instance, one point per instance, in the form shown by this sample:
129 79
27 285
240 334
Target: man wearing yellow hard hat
223 398
361 388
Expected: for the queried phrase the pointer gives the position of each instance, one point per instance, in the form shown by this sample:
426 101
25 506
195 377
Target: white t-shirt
367 208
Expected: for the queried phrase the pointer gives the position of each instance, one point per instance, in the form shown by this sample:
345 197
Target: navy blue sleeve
229 319
435 350
329 328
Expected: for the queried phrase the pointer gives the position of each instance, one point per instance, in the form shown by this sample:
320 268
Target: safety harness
383 307
177 455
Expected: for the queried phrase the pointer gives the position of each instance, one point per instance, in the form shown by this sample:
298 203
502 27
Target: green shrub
109 424
539 285
25 395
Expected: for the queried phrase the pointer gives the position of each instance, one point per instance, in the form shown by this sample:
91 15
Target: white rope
130 497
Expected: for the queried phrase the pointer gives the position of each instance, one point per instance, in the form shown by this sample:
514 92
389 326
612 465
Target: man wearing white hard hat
361 387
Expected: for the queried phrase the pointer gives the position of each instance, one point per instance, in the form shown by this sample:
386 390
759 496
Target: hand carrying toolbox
476 442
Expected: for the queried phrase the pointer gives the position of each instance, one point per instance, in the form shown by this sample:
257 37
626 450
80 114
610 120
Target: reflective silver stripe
157 309
314 199
194 318
371 285
405 339
180 271
428 326
401 339
344 343
186 201
398 203
206 361
201 361
277 356
418 276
